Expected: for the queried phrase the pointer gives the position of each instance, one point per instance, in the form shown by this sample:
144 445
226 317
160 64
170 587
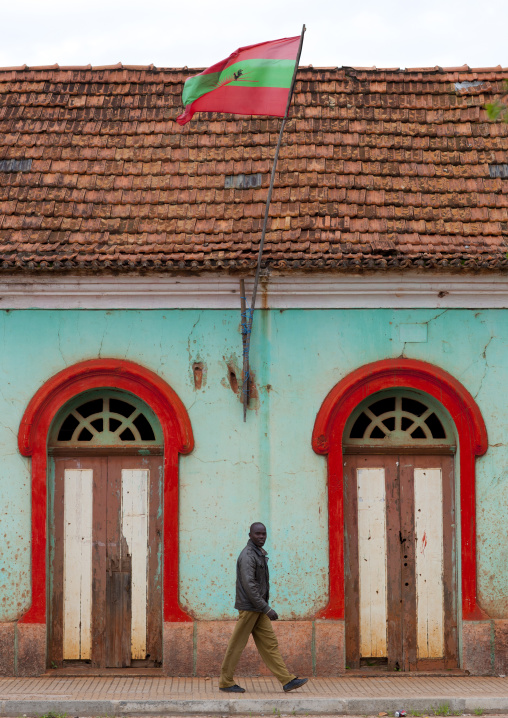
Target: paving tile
51 686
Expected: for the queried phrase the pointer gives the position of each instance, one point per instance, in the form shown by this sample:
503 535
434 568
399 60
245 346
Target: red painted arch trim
327 439
32 441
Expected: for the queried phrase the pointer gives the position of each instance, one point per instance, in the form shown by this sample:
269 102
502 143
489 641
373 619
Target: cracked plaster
254 471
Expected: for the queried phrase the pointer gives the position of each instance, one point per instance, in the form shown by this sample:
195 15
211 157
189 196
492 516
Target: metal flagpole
245 368
248 314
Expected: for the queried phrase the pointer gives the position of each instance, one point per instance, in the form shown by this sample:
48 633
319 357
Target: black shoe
294 684
238 689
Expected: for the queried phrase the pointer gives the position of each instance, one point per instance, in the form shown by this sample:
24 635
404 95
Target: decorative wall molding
33 438
327 435
304 291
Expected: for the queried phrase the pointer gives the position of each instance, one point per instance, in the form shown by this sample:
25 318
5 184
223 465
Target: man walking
252 593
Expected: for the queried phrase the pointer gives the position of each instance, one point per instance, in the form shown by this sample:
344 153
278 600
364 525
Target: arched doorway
399 498
456 402
105 523
46 415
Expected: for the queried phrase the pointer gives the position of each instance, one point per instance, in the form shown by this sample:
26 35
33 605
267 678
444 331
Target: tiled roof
378 168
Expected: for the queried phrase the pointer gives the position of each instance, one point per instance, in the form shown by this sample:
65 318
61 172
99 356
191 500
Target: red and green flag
253 80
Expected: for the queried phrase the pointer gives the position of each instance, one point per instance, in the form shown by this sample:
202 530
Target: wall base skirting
485 647
22 649
7 649
197 649
30 649
310 648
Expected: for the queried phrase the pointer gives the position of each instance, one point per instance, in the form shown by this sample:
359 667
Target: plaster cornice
305 291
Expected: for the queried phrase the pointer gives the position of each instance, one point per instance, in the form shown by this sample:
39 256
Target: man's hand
273 615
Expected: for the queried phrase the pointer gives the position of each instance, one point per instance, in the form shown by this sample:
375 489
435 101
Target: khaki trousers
266 642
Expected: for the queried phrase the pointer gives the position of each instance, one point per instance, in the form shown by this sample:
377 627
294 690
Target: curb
246 706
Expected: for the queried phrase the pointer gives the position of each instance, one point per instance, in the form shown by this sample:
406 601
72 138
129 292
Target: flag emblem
253 80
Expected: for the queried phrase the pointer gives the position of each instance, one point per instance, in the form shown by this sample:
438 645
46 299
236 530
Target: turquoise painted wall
264 469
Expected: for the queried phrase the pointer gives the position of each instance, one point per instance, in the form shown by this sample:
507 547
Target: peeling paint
264 468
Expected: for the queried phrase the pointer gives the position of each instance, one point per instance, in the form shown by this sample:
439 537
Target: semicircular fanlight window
397 419
107 420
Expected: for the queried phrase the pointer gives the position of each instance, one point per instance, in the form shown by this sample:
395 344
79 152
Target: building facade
374 443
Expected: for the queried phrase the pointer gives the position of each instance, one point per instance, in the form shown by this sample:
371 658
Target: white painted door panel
77 581
372 560
135 531
428 497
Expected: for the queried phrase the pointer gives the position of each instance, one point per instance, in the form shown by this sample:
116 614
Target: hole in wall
197 371
233 379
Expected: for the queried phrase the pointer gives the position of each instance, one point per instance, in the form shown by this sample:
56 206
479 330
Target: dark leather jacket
252 580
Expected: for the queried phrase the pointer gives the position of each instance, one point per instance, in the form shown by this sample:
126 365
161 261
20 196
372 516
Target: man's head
257 534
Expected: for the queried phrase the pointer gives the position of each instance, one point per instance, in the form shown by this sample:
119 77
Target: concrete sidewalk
137 695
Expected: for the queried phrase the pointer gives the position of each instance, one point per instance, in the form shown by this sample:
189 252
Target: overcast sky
197 33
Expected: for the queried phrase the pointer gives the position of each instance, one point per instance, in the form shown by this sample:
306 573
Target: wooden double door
106 561
400 562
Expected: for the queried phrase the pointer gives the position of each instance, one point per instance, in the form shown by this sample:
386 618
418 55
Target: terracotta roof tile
379 168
